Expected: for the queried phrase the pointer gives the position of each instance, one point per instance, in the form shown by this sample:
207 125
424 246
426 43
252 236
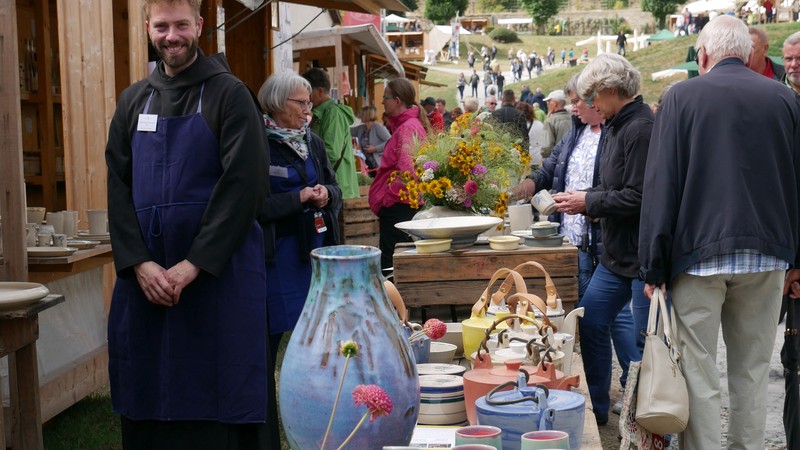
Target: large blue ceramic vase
347 301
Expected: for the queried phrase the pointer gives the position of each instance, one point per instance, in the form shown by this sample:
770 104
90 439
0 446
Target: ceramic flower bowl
453 336
463 230
442 352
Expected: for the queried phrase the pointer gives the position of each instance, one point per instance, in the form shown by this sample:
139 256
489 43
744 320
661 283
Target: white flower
422 159
427 175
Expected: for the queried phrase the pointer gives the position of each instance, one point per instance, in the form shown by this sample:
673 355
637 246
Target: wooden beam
46 109
303 44
12 184
137 45
338 69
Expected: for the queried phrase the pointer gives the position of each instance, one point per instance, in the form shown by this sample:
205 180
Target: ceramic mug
520 216
98 221
56 219
44 239
544 203
545 440
59 240
475 447
70 223
480 434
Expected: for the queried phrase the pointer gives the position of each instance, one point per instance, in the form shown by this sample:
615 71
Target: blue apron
289 276
206 357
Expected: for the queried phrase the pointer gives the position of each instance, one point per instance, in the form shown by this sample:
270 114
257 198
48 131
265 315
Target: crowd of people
216 197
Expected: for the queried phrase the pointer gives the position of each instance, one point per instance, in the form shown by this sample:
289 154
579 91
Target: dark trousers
192 435
273 420
388 217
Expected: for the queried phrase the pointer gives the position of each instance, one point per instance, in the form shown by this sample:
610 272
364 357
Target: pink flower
435 329
433 165
479 169
471 187
375 398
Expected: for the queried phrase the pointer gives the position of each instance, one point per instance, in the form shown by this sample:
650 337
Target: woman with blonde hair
371 137
409 124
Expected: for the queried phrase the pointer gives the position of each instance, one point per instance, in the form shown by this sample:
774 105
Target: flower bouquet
470 169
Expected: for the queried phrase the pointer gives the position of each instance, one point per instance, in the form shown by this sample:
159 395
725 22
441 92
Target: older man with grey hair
723 247
791 62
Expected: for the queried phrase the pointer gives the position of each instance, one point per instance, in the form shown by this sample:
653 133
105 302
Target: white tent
440 35
394 18
515 21
710 5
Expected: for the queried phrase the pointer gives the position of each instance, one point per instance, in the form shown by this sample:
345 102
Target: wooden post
137 45
12 184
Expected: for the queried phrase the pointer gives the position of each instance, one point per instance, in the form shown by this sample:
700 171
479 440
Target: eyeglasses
493 103
791 59
697 57
305 104
589 100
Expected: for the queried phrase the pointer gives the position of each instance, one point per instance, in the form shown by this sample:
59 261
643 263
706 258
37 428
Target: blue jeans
607 295
622 327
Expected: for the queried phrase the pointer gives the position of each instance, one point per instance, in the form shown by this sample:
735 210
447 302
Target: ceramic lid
499 375
440 369
440 383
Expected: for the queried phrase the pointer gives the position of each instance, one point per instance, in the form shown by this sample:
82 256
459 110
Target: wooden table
458 277
19 330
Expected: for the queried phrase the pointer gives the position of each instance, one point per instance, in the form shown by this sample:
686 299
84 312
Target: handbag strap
479 308
665 321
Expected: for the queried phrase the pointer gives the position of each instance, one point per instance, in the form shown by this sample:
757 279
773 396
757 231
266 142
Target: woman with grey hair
610 84
297 216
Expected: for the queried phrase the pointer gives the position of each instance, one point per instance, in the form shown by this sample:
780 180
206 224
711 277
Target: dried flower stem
335 404
352 433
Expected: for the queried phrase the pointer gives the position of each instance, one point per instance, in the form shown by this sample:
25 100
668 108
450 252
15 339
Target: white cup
35 214
98 221
520 216
44 239
56 219
59 240
70 223
544 203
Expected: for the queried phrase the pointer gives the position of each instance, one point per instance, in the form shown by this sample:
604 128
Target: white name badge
147 122
278 171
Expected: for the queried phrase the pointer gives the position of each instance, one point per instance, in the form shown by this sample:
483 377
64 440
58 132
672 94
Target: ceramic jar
347 301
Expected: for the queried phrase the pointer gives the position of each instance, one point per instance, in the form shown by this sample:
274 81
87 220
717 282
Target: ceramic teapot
528 407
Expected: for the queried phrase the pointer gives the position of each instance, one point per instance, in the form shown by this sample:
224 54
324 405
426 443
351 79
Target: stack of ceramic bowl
441 400
544 234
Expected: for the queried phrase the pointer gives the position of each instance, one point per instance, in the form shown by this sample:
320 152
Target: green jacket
332 123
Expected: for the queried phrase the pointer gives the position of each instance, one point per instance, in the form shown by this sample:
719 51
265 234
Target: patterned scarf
293 137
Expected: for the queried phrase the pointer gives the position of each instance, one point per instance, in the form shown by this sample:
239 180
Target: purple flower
471 187
432 165
479 169
468 202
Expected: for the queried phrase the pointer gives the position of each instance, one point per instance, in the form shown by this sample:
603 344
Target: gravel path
775 436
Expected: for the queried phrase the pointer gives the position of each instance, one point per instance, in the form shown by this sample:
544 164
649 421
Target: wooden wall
12 188
87 78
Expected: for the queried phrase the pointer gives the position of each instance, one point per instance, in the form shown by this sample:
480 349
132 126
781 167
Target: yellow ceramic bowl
433 245
504 242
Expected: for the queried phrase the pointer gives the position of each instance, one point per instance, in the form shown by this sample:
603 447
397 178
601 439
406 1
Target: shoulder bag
662 403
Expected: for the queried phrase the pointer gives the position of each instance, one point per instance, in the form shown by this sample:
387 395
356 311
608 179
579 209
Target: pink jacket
396 156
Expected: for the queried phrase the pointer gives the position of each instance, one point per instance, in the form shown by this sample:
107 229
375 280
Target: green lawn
658 56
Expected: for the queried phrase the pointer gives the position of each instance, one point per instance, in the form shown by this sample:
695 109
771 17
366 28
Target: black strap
341 157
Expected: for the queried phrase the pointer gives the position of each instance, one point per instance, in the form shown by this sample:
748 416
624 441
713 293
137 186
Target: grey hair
572 85
276 90
470 104
793 39
725 36
609 71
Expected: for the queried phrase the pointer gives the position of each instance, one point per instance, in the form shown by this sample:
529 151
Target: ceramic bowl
504 242
442 407
544 229
442 419
549 241
462 230
442 352
433 245
453 336
440 369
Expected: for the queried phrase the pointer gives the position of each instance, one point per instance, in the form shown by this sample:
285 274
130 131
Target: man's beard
178 60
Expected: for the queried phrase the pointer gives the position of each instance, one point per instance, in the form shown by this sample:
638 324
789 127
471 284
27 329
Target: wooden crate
358 224
458 278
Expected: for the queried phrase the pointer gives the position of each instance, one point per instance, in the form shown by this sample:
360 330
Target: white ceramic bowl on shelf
504 242
442 352
433 245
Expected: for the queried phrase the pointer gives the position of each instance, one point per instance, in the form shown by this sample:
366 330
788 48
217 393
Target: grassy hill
658 56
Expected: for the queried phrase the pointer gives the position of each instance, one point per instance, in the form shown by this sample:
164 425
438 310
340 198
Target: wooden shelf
48 269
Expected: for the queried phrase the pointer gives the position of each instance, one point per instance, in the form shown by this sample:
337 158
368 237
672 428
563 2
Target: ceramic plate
16 294
103 238
50 251
463 230
81 245
440 369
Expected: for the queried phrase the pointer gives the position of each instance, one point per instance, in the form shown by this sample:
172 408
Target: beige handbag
662 403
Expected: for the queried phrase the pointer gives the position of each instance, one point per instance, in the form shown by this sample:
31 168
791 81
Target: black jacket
718 180
508 114
617 199
282 212
553 175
